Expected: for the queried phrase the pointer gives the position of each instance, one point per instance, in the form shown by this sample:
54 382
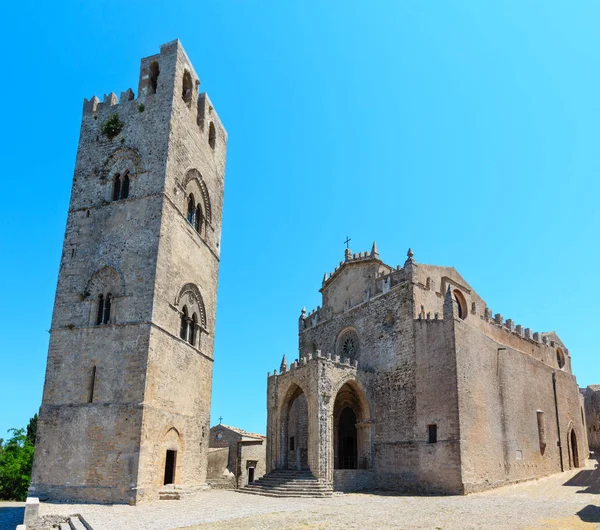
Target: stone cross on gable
347 242
220 420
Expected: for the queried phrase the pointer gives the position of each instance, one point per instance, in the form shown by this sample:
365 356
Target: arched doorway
346 439
574 452
294 439
351 435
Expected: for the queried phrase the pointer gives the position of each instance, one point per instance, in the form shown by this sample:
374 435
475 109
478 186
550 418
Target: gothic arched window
125 186
117 188
107 304
461 303
198 219
100 314
191 210
193 329
183 330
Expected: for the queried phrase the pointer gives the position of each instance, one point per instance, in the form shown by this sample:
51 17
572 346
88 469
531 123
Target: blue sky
468 131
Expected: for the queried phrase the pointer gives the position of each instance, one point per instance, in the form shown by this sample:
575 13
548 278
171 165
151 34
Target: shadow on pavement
588 479
590 514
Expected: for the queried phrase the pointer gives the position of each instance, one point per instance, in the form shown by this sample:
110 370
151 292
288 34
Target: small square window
292 443
432 433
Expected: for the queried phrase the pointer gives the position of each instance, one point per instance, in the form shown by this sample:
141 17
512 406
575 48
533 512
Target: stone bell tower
126 403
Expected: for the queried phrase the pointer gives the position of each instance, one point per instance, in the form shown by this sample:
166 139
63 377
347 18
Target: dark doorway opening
347 447
574 452
250 475
170 466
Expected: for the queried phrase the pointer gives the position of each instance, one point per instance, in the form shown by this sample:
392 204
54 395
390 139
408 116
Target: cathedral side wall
500 392
437 405
592 416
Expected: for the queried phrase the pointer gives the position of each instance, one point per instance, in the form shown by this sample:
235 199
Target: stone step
76 524
269 493
289 483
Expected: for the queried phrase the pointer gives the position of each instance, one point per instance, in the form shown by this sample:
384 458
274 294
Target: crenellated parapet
309 359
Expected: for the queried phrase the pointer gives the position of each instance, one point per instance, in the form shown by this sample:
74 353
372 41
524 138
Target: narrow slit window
107 305
212 135
100 313
432 431
125 186
198 219
92 385
183 330
191 210
193 328
117 188
292 443
154 73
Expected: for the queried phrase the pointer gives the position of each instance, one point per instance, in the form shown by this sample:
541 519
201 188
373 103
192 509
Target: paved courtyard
567 501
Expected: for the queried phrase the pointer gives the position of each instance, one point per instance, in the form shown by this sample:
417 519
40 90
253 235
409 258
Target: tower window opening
212 135
107 304
92 385
560 358
125 186
432 432
117 188
186 92
191 210
198 219
154 73
193 329
461 303
120 186
100 314
183 330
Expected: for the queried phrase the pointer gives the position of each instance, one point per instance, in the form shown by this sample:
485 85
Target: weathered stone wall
252 453
298 429
218 457
592 416
500 392
151 387
348 480
448 399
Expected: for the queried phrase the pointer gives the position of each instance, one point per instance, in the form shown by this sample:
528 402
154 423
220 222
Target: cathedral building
406 381
126 402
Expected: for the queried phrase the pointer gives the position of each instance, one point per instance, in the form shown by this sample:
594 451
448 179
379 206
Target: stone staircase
174 492
289 483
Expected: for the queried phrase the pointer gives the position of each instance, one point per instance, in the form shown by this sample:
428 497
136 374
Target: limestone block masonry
126 400
406 382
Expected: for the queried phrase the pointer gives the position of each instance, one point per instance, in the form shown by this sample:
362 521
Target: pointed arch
106 279
194 182
190 295
183 327
116 194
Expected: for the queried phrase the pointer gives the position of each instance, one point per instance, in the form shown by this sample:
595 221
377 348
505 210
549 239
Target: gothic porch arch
295 398
349 427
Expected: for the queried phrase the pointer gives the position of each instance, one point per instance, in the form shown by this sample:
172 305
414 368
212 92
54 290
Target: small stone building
591 396
406 381
245 459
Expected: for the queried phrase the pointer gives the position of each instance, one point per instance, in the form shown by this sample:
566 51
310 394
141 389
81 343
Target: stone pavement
569 500
11 514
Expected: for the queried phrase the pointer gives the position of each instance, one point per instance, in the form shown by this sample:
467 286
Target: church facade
405 381
126 402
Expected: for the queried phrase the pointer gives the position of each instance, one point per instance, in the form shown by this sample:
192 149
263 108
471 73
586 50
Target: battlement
309 358
167 77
